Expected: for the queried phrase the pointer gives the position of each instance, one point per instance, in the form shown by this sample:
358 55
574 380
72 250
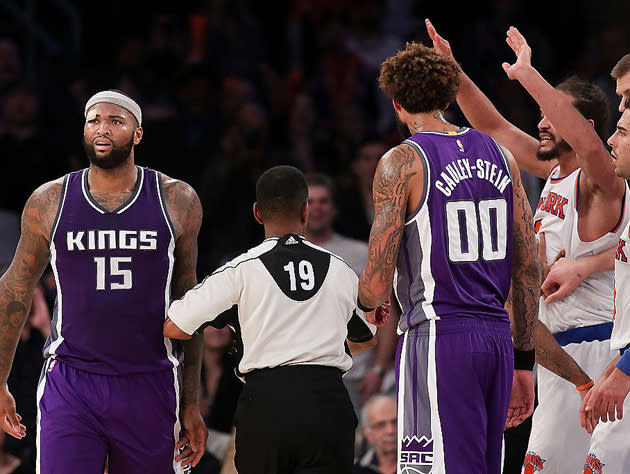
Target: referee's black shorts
295 420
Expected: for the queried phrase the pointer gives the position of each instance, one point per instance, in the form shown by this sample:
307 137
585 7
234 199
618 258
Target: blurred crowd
229 88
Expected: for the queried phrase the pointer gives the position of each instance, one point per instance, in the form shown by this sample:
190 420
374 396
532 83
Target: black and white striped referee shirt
296 305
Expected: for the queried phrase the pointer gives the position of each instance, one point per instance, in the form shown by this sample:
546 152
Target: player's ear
137 135
257 214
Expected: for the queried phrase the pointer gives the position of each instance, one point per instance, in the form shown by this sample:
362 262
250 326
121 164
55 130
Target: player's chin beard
116 156
402 127
554 152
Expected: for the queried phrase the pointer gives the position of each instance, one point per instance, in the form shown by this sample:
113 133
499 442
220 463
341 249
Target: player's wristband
586 386
524 360
365 309
623 363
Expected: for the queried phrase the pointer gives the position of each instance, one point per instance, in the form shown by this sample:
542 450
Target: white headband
113 97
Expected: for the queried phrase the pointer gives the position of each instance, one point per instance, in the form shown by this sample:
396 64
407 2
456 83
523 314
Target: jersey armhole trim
64 192
577 189
426 176
160 193
623 209
505 158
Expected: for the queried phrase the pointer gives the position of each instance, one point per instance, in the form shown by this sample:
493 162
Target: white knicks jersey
297 304
621 328
557 217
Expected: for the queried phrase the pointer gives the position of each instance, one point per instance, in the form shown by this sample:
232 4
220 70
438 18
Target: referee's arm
361 334
203 303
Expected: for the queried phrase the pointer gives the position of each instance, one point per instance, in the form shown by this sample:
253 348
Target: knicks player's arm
567 274
554 358
184 208
592 155
485 117
398 174
525 290
18 284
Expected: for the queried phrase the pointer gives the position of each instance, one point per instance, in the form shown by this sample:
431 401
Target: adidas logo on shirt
291 241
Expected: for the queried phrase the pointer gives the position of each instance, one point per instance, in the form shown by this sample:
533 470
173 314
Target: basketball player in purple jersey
122 243
452 226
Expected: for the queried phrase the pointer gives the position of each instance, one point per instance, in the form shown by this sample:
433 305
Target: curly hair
420 79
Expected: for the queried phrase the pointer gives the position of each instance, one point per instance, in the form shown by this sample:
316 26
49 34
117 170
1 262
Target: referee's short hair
281 191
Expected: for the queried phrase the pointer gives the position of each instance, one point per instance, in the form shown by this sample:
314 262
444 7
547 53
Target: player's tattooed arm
185 211
525 292
391 188
553 357
31 257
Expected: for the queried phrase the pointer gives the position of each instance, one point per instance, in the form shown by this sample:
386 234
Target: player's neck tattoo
421 122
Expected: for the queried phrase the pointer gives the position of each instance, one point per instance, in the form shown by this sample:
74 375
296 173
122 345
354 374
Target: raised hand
441 45
516 41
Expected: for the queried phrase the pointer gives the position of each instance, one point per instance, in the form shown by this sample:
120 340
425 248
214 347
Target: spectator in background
356 206
379 421
322 212
219 392
229 177
369 40
369 368
34 156
310 145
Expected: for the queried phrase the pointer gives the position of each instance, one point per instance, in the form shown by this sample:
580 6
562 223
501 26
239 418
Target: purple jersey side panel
463 225
113 273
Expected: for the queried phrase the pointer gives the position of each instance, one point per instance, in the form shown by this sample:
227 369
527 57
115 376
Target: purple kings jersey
113 274
455 257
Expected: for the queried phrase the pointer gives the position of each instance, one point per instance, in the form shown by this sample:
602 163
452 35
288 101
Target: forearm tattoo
390 191
526 274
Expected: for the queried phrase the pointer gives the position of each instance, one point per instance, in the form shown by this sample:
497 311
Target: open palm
516 41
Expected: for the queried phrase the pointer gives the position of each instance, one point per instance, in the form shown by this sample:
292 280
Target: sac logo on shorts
416 455
533 462
593 465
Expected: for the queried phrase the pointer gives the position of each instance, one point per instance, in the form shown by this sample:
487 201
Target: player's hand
516 41
563 277
522 399
542 256
193 437
9 419
379 315
605 400
441 45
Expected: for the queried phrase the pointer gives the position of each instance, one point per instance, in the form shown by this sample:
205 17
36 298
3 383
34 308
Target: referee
297 305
